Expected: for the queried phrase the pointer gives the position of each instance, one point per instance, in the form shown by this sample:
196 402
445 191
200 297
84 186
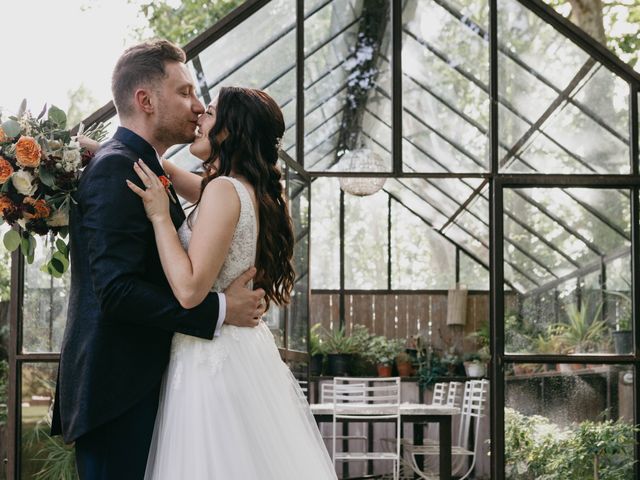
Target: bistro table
415 413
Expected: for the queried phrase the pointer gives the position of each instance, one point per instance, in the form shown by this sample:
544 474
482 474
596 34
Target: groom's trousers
118 450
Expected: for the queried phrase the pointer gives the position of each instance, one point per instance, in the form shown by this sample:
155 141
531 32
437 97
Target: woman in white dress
230 409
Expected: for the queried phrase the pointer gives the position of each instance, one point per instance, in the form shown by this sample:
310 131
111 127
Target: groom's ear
143 100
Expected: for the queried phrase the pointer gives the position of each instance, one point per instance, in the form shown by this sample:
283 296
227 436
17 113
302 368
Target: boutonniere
167 184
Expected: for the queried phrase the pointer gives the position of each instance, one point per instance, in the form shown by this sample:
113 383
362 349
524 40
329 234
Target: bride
230 409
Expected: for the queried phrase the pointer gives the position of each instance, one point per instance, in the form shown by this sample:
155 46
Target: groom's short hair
141 65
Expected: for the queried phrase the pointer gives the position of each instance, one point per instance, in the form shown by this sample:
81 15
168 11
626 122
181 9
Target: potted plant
316 350
582 332
475 363
451 361
339 348
623 335
404 364
383 351
361 363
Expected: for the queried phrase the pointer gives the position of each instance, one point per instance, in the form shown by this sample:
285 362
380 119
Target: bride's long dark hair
255 126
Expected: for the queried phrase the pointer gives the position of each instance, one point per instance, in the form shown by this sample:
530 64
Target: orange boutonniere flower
167 183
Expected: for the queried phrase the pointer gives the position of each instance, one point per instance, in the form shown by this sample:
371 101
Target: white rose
71 157
23 182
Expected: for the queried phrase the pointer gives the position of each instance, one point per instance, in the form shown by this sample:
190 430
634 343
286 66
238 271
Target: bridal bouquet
40 166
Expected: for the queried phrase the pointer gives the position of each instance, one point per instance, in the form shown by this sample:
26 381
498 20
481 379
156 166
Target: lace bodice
242 252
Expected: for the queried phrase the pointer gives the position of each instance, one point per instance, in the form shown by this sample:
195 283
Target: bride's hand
155 196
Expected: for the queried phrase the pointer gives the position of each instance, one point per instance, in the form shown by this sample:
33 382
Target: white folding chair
454 394
381 401
474 402
357 396
439 394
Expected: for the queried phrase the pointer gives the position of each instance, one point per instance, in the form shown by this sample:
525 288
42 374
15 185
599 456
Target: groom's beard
170 134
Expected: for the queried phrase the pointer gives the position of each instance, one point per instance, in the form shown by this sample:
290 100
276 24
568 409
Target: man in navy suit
122 313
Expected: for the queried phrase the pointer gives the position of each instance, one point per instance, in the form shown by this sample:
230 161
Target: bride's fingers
150 175
143 176
136 189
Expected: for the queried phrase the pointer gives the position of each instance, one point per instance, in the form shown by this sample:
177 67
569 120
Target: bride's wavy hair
255 126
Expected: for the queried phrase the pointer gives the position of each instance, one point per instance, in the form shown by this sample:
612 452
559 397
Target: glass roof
560 112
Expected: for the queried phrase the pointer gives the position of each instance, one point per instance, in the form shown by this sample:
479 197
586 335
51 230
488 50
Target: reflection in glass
45 304
579 121
420 257
568 421
573 249
445 63
325 232
347 81
366 241
39 450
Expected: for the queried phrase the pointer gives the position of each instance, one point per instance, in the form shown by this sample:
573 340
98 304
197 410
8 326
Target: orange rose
3 136
40 207
6 170
28 152
5 204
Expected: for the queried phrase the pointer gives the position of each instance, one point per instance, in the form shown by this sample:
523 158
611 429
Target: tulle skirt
230 409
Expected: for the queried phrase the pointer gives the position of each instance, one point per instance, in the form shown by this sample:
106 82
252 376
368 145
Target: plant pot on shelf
405 369
338 364
384 370
623 341
475 369
315 365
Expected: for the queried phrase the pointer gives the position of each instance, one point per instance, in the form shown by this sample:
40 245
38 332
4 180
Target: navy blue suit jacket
122 313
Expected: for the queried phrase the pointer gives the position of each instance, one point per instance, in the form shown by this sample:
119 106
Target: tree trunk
587 14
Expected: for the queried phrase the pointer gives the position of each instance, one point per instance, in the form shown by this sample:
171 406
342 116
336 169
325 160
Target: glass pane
445 63
266 62
347 84
421 258
298 309
325 232
569 421
366 241
39 450
579 121
574 248
45 305
473 274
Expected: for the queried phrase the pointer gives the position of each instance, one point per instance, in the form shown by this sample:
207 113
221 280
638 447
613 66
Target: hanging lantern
361 160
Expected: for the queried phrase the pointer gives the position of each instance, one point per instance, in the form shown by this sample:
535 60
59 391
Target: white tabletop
405 409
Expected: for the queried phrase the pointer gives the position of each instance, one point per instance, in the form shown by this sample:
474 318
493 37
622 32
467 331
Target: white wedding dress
230 409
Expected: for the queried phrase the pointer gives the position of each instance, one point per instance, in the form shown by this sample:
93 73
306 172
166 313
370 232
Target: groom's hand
244 307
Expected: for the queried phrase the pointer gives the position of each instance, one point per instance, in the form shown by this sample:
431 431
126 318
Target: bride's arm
191 274
187 184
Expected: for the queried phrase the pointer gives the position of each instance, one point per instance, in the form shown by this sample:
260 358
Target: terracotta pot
405 369
384 370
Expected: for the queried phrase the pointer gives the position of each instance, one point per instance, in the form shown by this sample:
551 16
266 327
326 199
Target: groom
122 313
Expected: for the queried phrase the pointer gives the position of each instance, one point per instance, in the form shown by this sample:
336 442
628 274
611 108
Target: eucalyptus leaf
47 178
62 259
44 110
62 247
11 128
57 265
57 116
11 240
30 260
5 187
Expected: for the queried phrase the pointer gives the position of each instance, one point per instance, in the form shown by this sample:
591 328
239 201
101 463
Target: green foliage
536 448
584 331
184 23
383 351
336 341
55 459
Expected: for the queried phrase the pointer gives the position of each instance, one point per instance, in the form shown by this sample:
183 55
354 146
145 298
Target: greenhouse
463 177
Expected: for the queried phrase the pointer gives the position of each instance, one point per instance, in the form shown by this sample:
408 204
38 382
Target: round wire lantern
361 160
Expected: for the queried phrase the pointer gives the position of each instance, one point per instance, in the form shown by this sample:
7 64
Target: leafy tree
615 23
182 21
81 104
